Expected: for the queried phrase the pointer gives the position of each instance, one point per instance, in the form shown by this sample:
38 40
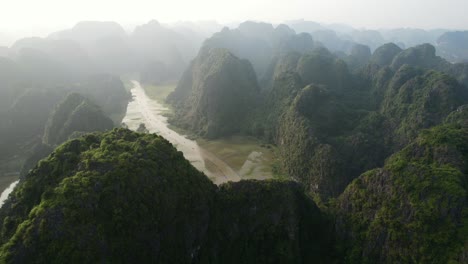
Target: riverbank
229 159
9 171
142 109
6 192
7 179
246 155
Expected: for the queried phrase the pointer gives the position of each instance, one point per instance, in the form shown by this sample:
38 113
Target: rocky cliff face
404 113
124 197
385 54
215 94
416 99
453 46
74 114
265 222
414 209
331 125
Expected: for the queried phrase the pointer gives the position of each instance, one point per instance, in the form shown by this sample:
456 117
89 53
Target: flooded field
248 157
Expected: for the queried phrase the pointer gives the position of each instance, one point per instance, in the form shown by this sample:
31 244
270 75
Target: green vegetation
74 114
29 92
384 55
266 222
413 210
107 92
420 56
377 141
359 56
215 94
420 100
159 93
246 155
332 125
453 46
121 196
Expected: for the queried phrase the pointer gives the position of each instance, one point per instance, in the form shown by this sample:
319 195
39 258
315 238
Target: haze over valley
234 132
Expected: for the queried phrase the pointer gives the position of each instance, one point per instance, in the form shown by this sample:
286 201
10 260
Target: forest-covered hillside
368 129
377 139
123 197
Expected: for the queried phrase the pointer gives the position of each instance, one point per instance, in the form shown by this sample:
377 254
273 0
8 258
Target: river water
143 109
7 192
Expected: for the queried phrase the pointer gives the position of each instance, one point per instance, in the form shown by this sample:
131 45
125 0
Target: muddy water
142 109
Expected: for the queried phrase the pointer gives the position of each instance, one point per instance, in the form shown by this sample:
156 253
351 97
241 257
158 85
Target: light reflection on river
142 109
7 192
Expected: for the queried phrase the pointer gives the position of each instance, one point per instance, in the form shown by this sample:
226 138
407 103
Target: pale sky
41 16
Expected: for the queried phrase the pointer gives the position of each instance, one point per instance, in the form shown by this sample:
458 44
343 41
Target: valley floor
7 179
223 160
9 173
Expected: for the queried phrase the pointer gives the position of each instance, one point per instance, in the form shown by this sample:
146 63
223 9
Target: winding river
7 192
143 109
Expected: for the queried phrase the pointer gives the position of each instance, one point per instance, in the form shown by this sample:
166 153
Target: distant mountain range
370 131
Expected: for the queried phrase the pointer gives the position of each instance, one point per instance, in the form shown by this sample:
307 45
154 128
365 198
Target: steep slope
87 33
410 37
244 45
417 99
215 94
321 67
74 114
106 91
420 56
43 72
322 34
73 59
163 51
260 43
118 196
42 68
305 140
359 56
424 56
331 125
25 120
124 197
281 64
265 121
11 76
385 54
414 209
266 222
106 43
316 66
453 46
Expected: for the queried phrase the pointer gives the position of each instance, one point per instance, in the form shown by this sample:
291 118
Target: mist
42 17
233 131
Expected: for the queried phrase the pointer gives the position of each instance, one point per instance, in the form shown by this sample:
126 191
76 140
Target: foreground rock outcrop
124 197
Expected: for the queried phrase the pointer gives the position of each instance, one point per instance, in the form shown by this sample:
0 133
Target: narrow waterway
7 192
143 109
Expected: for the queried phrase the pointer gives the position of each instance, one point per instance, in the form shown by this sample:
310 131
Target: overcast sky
39 16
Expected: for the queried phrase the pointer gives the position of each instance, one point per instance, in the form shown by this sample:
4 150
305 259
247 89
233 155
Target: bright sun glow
32 17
